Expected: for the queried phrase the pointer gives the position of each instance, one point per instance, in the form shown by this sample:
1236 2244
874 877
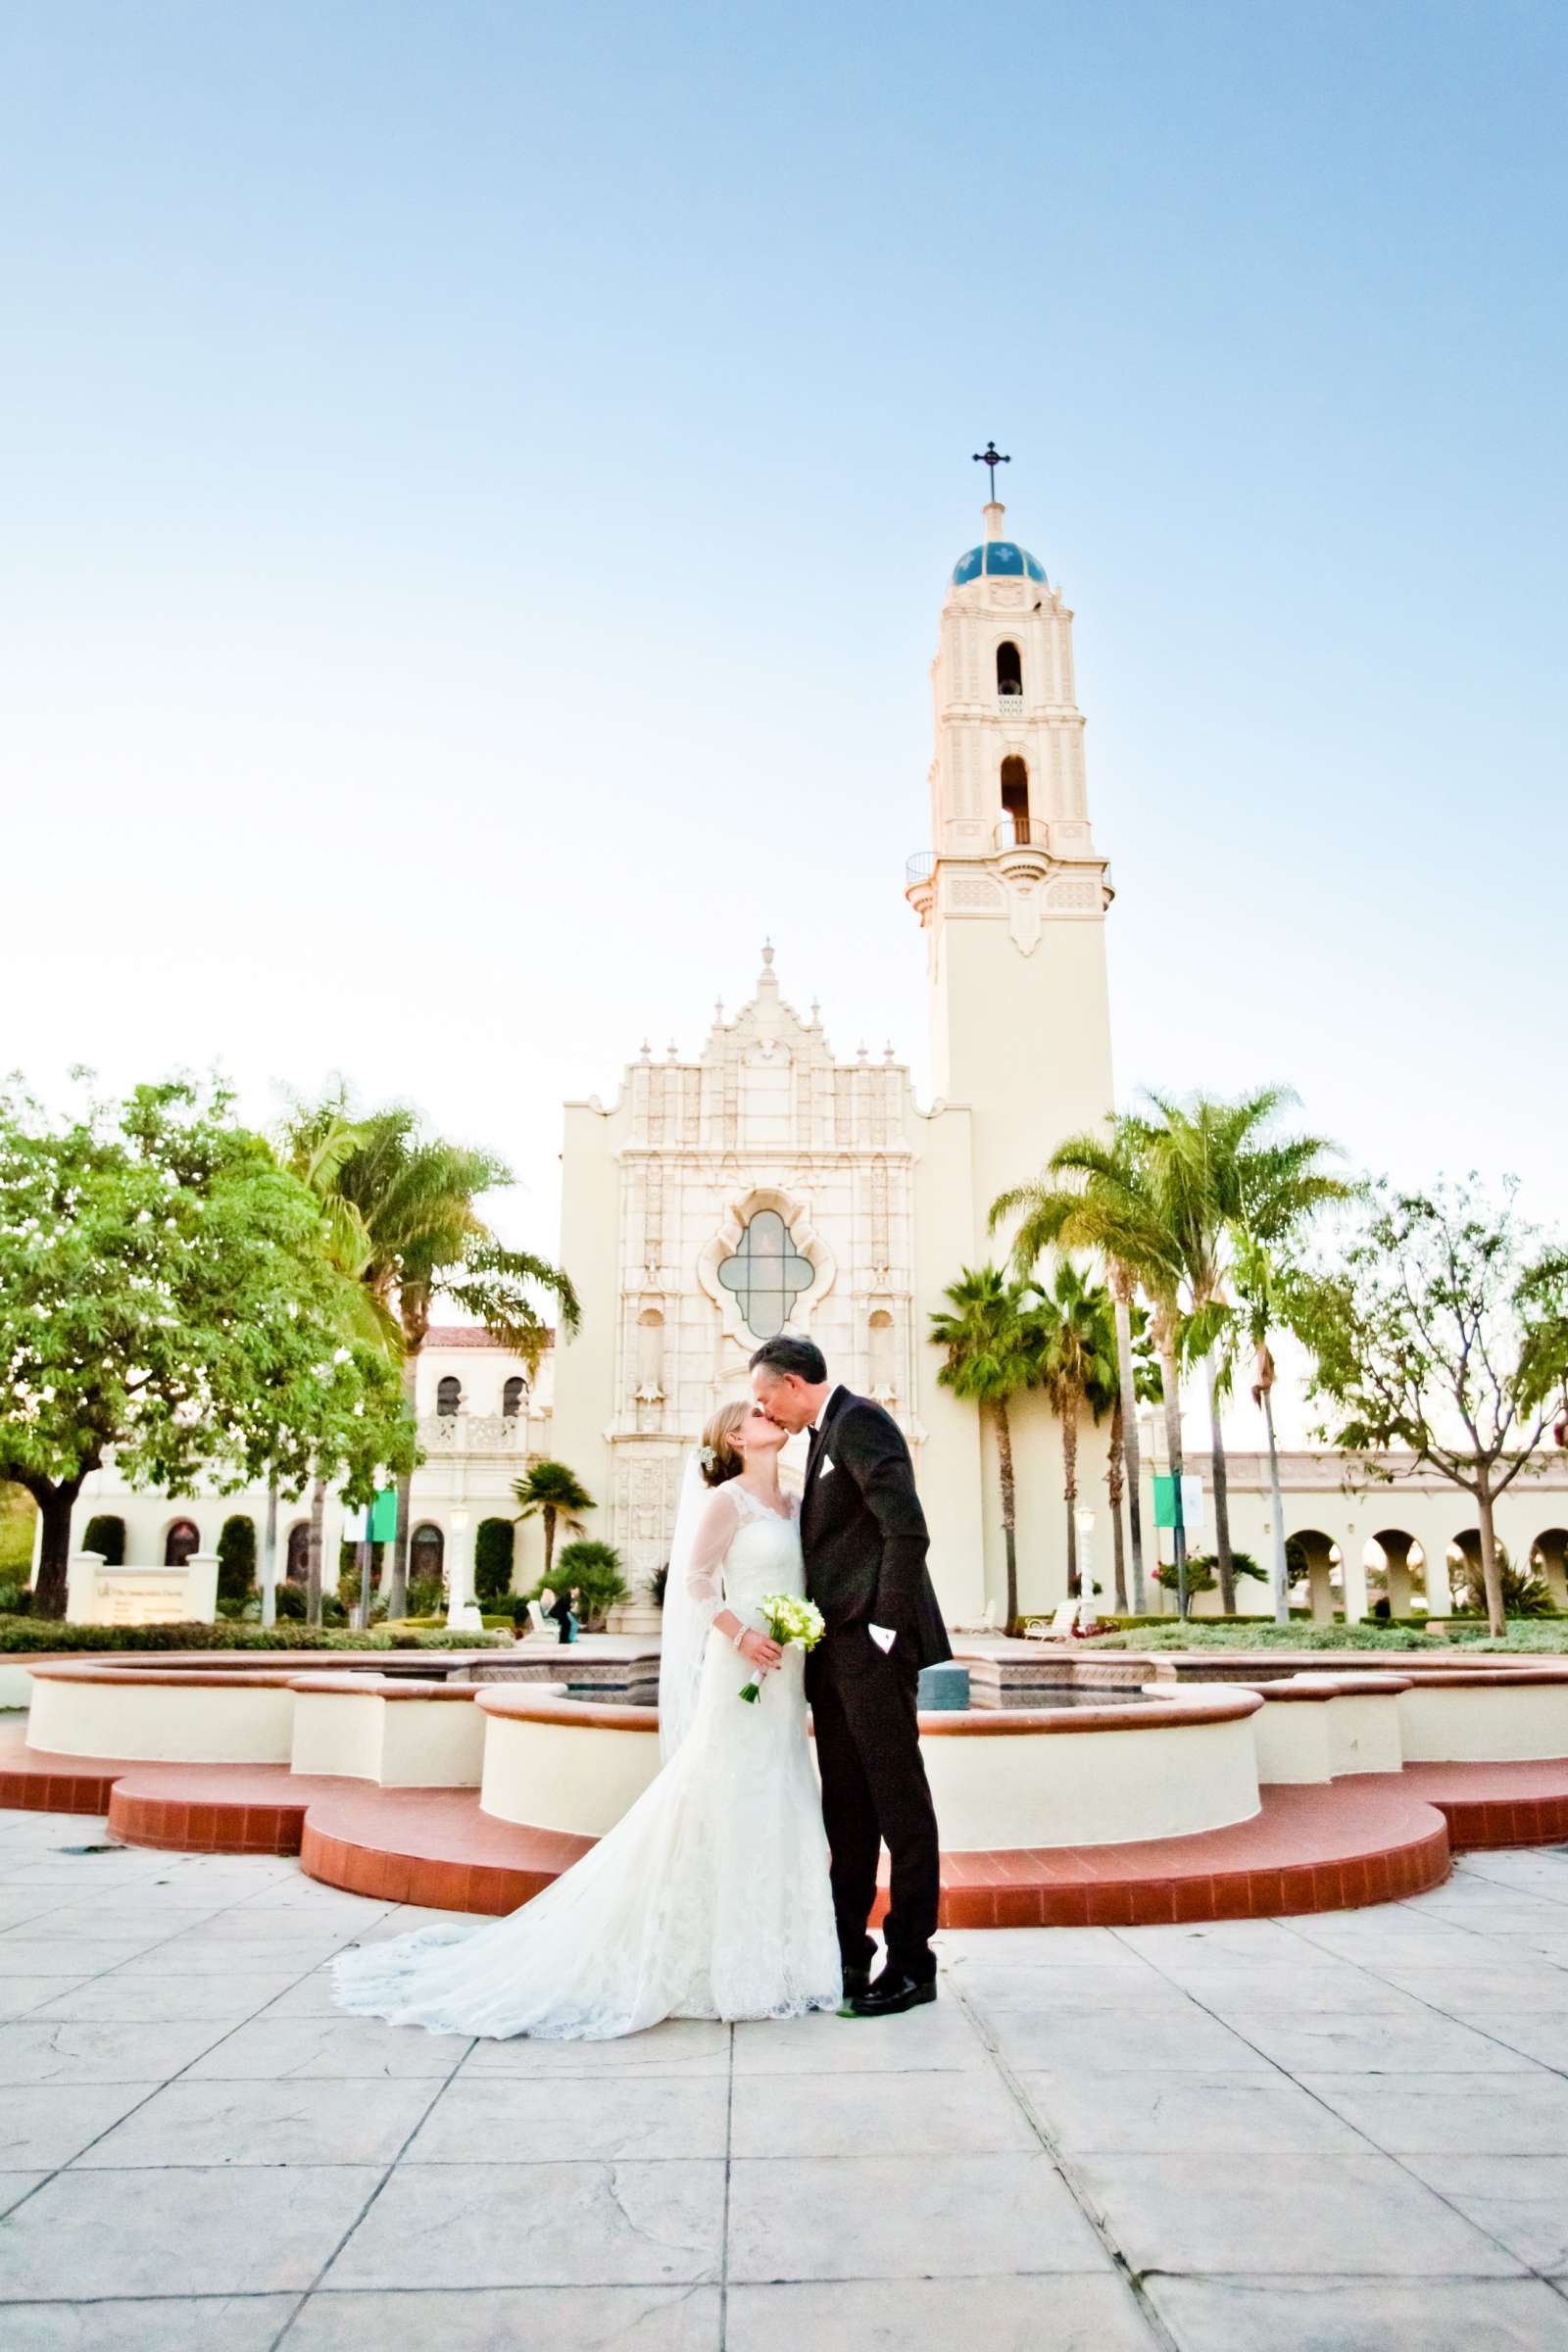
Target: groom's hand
759 1651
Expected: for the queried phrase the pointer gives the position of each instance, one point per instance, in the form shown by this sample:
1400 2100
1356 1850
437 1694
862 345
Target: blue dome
998 557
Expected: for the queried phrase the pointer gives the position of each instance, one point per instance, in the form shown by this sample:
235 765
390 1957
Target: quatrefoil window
767 1274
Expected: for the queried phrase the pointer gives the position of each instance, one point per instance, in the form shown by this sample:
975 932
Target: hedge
22 1634
106 1534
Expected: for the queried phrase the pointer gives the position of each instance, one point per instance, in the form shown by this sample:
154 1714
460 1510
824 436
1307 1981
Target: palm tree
1097 1193
411 1199
1228 1185
993 1345
1078 1372
1277 1202
1146 1391
315 1145
554 1494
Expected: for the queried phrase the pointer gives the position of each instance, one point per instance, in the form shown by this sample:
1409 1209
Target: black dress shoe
893 1993
857 1984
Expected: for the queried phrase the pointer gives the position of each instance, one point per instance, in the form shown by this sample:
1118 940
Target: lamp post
1087 1586
461 1615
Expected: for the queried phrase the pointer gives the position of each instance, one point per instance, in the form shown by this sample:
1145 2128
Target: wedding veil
686 1621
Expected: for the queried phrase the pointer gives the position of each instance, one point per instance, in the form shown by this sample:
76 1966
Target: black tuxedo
864 1537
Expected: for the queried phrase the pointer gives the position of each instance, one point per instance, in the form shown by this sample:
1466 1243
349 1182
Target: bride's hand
761 1652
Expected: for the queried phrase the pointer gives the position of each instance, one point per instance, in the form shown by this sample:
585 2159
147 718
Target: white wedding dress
708 1898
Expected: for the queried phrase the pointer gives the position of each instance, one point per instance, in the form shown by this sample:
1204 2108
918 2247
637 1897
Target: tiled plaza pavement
1347 2132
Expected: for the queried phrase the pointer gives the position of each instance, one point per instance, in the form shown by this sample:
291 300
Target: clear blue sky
481 482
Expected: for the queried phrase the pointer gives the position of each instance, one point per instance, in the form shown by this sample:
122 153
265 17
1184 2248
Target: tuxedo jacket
863 1532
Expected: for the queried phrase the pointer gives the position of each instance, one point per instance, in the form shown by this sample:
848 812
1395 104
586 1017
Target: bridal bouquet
789 1620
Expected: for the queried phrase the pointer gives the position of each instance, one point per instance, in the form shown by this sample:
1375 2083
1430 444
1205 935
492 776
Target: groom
864 1537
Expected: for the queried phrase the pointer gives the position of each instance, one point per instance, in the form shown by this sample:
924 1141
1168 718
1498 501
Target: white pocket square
824 1465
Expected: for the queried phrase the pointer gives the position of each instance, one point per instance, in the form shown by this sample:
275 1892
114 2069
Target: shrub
16 1600
1524 1592
291 1607
658 1585
492 1560
424 1597
24 1634
594 1568
236 1559
106 1533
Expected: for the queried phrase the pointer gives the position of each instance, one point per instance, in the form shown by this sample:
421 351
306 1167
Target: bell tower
1013 892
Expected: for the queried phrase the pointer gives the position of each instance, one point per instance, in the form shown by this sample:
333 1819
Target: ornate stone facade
764 1133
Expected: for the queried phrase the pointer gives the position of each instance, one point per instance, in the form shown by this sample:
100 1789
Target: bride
710 1897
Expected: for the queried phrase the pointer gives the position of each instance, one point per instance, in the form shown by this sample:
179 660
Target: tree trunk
1491 1575
1069 1492
1282 1571
1113 1489
55 1506
1121 1293
397 1598
1171 1382
1222 1500
549 1516
1008 1511
270 1556
313 1553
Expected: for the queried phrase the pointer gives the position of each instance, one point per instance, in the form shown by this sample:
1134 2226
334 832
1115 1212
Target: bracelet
738 1636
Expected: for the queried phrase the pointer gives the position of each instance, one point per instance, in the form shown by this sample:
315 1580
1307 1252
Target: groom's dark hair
803 1357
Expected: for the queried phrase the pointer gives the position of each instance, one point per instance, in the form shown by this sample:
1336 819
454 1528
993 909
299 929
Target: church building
766 1185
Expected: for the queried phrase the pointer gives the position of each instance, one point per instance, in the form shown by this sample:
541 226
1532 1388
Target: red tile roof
470 1335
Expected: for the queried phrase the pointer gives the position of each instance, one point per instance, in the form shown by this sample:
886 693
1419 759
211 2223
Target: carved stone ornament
1023 915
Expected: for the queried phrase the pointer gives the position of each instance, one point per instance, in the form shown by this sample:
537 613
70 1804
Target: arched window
180 1541
767 1274
448 1394
1010 668
298 1548
1016 796
427 1552
513 1395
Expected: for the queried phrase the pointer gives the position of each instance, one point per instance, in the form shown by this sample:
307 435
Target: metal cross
991 456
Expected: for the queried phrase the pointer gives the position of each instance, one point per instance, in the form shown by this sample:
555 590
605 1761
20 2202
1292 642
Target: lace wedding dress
708 1898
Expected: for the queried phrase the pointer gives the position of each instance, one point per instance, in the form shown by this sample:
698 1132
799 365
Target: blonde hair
720 1458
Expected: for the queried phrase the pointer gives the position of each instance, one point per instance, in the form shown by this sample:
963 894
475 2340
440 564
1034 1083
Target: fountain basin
1084 1775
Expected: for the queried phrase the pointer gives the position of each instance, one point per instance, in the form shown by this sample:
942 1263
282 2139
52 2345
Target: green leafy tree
592 1571
1442 1332
1078 1373
493 1543
554 1495
412 1200
165 1300
994 1346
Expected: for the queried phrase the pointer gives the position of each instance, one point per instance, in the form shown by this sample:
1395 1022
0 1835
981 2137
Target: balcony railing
1020 833
920 868
474 1433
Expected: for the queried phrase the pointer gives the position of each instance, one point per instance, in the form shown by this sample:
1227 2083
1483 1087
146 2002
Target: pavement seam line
1067 2172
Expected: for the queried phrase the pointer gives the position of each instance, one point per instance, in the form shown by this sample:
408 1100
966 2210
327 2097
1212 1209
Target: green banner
385 1517
1164 1501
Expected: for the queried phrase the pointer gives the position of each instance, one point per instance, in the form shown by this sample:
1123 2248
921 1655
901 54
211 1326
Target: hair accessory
707 1456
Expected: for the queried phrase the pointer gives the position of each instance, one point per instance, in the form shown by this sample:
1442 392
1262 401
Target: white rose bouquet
791 1621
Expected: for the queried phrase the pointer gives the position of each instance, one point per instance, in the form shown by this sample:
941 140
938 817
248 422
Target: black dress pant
874 1792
